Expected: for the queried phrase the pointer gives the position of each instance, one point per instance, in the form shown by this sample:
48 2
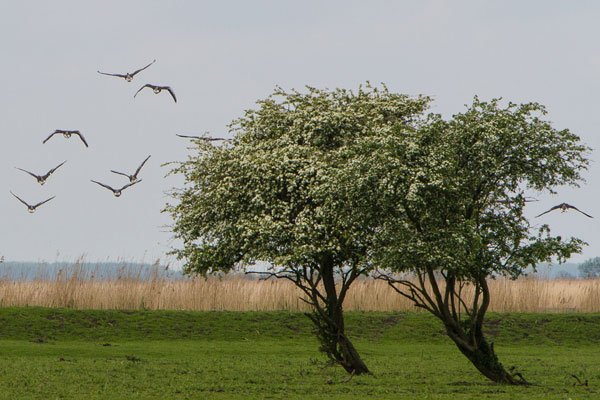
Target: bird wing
205 138
52 134
42 202
30 173
55 168
120 173
577 209
546 212
20 199
141 69
167 88
81 137
103 185
140 89
188 137
119 75
130 184
137 171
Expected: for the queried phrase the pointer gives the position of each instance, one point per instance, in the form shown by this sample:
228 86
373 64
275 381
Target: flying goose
157 90
564 207
42 178
512 201
207 139
132 178
67 134
32 208
116 192
128 76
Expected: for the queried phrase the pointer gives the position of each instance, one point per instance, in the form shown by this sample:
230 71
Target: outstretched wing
188 137
103 185
577 209
55 168
546 212
141 69
168 88
81 137
119 75
140 89
120 173
42 202
52 134
137 171
205 138
30 173
20 199
130 184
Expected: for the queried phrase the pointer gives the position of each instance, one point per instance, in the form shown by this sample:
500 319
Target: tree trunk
466 331
329 324
337 346
482 356
352 362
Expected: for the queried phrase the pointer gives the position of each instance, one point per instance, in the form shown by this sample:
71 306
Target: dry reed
236 293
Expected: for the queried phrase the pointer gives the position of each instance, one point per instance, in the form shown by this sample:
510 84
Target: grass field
69 354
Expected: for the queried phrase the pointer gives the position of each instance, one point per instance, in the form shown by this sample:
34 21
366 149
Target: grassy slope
53 353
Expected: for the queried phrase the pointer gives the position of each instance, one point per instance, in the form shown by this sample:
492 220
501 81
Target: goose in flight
206 139
116 192
564 207
128 76
42 178
157 90
32 208
132 178
67 134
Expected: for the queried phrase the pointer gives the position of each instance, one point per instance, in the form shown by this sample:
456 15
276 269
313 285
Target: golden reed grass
236 293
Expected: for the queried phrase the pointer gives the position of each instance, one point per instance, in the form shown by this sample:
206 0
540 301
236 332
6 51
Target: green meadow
73 354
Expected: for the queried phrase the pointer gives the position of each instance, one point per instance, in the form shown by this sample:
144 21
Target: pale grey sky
220 57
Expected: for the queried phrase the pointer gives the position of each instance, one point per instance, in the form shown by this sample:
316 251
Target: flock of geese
133 178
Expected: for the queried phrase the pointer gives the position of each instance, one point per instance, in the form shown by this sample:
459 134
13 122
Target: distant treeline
25 271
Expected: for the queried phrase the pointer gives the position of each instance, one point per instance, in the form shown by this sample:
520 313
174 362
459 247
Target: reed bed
155 291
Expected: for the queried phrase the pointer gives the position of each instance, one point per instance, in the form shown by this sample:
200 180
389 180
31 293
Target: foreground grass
53 353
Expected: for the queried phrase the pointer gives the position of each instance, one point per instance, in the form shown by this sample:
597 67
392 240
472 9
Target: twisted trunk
469 338
463 322
482 356
329 323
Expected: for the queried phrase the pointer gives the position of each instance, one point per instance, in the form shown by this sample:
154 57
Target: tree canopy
272 195
446 204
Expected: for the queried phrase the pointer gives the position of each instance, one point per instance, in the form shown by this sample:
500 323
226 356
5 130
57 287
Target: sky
219 58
